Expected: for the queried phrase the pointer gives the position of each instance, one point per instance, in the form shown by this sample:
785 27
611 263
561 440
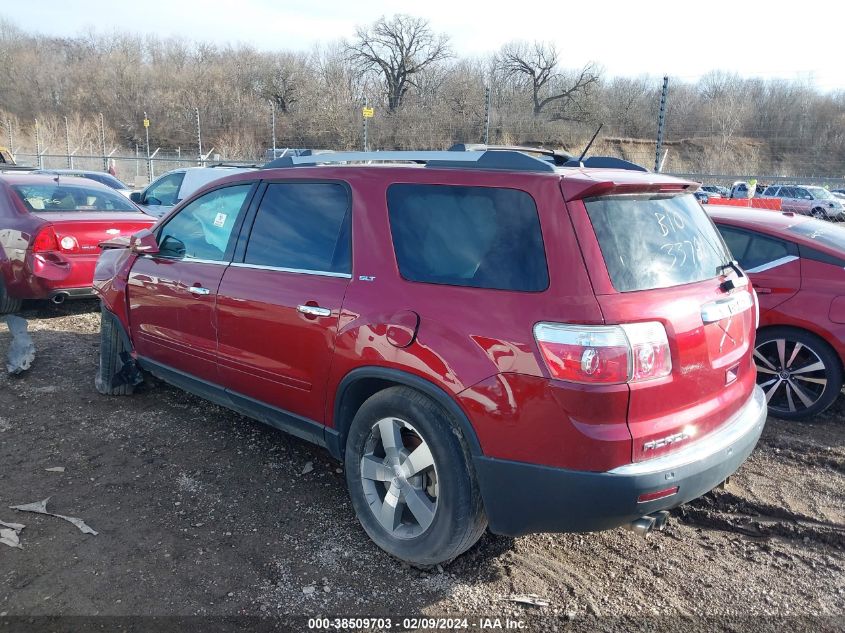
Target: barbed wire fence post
67 145
273 125
149 162
11 137
103 142
661 122
486 114
199 138
38 153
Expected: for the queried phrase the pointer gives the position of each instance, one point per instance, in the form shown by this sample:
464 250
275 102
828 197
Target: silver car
807 200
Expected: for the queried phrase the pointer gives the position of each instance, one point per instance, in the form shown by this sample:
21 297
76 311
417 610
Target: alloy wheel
399 478
791 374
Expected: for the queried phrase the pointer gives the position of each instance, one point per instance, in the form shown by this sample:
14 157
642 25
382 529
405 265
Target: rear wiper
730 284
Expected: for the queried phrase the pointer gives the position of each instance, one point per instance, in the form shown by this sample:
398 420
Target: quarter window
481 237
302 226
752 249
203 229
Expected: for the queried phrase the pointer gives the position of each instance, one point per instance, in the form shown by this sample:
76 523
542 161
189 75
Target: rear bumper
521 498
42 279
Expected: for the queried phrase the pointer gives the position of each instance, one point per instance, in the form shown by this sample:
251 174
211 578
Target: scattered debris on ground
40 507
21 352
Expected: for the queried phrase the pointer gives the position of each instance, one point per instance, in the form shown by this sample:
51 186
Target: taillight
45 240
605 354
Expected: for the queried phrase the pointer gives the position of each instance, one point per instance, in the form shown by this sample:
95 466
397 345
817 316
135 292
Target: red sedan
50 231
796 266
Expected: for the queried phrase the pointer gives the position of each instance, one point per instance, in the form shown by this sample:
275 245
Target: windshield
820 193
656 241
66 197
825 233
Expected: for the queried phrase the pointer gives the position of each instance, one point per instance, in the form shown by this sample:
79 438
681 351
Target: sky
683 39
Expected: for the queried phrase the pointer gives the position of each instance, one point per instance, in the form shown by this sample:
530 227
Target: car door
172 295
163 194
772 264
278 306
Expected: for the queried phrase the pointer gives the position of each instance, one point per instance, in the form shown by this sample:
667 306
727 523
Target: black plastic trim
807 252
286 421
401 378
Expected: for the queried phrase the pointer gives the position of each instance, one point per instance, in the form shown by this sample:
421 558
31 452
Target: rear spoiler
578 189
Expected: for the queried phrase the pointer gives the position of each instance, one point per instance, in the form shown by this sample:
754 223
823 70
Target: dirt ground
203 512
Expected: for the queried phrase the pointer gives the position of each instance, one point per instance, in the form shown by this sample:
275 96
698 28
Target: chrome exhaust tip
58 298
660 519
642 526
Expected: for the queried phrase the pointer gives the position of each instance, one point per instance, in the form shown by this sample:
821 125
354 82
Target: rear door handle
197 290
314 310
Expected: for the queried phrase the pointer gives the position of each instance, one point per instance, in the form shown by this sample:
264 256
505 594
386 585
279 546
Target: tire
111 348
819 214
8 305
793 391
446 515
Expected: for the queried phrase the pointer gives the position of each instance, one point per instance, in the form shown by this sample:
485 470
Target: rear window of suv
656 241
481 237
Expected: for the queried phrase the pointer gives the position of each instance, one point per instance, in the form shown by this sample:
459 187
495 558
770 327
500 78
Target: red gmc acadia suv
483 337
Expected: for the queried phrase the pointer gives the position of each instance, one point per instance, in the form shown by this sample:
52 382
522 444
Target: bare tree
398 49
537 66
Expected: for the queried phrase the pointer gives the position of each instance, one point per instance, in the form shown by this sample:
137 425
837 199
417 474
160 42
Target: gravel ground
203 512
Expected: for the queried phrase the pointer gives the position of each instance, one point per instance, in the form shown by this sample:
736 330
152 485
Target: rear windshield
656 241
825 233
42 197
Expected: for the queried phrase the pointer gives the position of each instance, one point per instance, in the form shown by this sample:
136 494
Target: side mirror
144 243
135 197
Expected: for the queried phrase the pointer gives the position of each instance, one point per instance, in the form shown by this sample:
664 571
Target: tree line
425 96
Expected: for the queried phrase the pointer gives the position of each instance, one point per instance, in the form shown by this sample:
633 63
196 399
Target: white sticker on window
220 219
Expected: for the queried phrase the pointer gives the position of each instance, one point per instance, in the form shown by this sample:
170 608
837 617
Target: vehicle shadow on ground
199 510
47 310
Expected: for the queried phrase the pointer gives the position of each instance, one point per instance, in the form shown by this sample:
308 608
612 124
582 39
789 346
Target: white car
169 189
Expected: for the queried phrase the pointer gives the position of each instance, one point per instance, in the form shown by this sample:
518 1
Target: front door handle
198 290
314 310
763 291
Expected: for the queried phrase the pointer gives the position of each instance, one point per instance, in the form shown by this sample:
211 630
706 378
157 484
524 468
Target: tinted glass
656 241
164 191
203 229
302 226
752 249
787 192
106 179
66 197
467 236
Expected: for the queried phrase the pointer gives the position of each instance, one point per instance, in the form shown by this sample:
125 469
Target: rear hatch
81 232
665 262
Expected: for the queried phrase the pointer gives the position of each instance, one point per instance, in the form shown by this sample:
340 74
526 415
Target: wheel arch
363 382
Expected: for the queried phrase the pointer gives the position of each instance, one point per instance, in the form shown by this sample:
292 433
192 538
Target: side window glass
787 192
203 229
165 191
737 242
302 226
482 237
763 250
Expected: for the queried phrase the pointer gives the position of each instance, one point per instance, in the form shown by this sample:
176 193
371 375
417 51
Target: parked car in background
723 192
740 190
603 375
169 189
50 232
102 177
808 200
796 265
704 197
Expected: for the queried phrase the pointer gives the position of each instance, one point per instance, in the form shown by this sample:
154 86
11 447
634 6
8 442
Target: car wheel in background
411 479
799 372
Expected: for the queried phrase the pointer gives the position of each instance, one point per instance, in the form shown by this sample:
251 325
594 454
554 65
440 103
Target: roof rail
494 160
605 162
241 165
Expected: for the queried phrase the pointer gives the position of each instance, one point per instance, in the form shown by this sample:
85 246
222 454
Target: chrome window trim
773 264
747 420
298 271
186 259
